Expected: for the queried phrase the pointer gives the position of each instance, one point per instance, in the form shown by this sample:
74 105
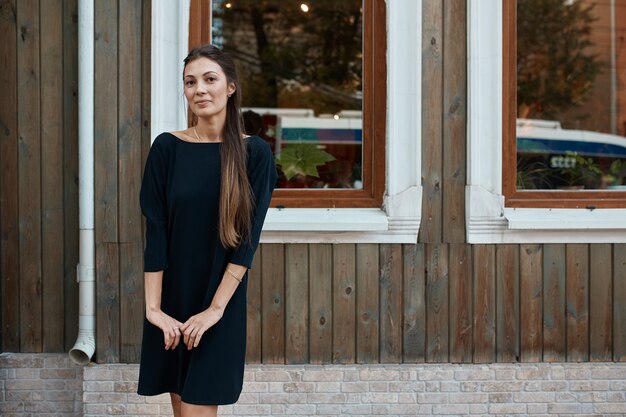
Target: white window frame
488 220
399 219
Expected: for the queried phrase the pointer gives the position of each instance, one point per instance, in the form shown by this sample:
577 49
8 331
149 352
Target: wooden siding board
129 120
321 309
107 303
273 304
131 296
414 293
507 307
367 308
391 268
106 181
432 104
129 114
460 303
51 16
484 270
344 303
437 303
601 302
29 176
619 306
106 120
454 119
254 334
70 169
577 302
9 231
296 305
554 326
531 303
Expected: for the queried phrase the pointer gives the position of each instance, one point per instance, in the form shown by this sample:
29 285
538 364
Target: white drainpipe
85 345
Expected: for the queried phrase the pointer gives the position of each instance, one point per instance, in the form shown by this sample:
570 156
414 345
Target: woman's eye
212 79
189 83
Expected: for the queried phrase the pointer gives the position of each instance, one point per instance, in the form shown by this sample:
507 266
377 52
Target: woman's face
206 88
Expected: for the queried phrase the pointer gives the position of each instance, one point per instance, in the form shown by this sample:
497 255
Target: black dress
180 200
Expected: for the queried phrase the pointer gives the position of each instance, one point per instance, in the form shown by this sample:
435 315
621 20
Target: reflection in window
571 94
300 63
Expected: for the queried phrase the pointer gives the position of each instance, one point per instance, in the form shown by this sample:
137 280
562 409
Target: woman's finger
197 338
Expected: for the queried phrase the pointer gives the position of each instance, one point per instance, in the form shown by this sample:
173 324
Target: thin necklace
196 133
198 137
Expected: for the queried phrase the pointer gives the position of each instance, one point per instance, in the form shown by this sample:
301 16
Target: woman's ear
231 89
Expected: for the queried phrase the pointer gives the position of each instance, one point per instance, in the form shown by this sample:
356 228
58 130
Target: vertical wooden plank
129 119
273 303
52 173
106 183
577 302
321 309
9 233
484 270
129 168
391 269
454 119
437 304
460 303
29 176
531 302
601 302
296 303
344 303
554 303
414 292
507 303
619 306
132 308
432 153
367 296
70 168
254 334
107 303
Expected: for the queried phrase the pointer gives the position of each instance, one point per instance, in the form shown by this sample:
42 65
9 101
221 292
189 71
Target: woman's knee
194 410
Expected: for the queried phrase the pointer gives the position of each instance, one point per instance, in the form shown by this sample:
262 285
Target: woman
205 193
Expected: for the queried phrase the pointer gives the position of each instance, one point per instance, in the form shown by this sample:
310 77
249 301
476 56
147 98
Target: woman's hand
194 328
169 325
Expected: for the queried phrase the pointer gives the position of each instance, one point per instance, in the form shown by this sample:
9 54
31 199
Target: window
357 215
564 88
533 220
314 81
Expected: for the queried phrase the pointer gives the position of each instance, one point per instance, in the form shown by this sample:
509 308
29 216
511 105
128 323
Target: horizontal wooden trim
567 199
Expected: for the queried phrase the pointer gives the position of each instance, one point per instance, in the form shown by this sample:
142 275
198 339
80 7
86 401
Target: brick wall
40 385
335 390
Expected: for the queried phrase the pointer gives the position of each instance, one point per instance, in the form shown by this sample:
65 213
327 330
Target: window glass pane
300 63
571 94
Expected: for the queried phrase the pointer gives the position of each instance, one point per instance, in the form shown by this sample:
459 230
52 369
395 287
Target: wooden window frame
374 113
533 198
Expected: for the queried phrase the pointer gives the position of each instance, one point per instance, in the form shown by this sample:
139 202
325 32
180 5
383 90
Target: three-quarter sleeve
262 175
152 199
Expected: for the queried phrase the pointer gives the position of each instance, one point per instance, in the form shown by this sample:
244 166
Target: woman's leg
175 404
193 410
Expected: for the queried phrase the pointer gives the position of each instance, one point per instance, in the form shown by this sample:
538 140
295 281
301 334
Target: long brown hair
235 194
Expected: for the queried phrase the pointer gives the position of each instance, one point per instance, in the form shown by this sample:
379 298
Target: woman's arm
154 314
194 328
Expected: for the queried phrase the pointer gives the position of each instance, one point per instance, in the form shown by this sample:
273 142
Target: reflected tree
555 65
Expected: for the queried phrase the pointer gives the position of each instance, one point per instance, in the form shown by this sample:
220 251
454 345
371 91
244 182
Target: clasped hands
191 330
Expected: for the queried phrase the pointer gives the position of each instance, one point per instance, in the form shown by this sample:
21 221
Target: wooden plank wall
438 300
122 140
437 303
38 165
